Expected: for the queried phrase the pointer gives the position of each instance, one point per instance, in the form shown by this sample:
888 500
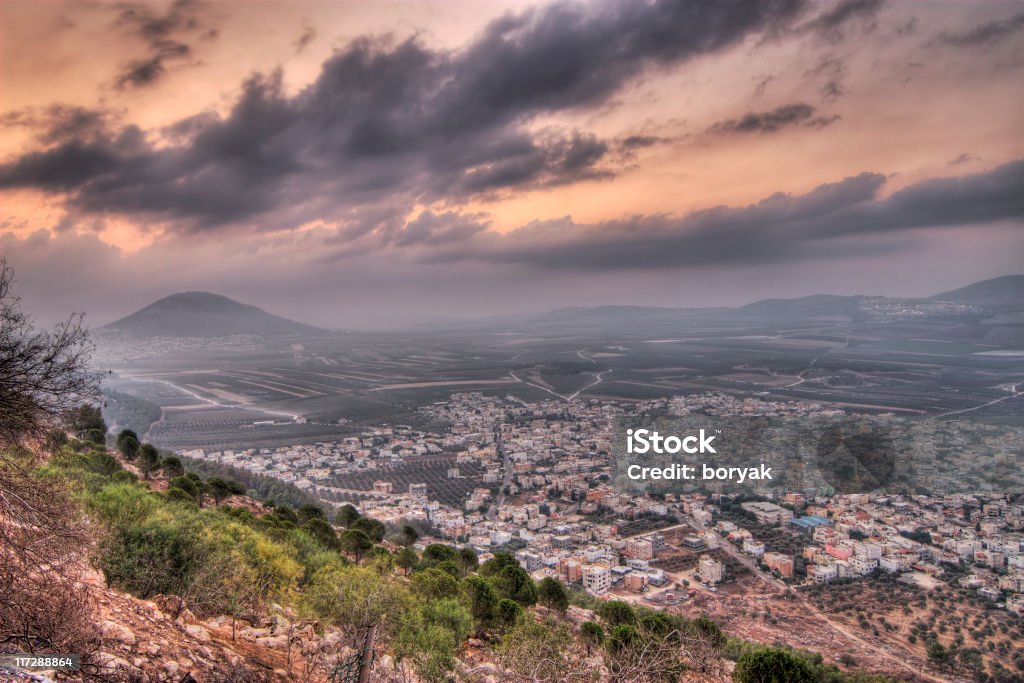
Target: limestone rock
275 642
118 632
198 632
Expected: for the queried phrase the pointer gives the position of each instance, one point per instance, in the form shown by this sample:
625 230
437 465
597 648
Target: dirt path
1014 393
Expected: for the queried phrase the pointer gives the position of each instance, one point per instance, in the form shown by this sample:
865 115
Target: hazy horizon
525 311
360 165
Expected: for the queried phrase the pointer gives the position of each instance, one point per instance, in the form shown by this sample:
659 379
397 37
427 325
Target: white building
752 547
823 573
711 570
597 579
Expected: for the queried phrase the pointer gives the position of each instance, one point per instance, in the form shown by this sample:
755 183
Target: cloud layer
386 121
780 228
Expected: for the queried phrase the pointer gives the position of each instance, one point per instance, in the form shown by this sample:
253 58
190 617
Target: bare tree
702 645
42 373
543 652
44 607
641 655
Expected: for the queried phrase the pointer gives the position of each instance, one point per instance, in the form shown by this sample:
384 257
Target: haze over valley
193 368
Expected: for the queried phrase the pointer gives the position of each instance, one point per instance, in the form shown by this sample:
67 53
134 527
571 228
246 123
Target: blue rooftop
810 521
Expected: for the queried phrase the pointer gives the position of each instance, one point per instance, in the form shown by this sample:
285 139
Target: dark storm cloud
391 121
985 34
68 165
563 56
843 227
980 198
59 123
831 220
164 35
142 72
786 116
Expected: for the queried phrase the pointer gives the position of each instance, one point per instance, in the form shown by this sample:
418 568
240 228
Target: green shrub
118 505
433 583
551 593
152 557
616 612
772 665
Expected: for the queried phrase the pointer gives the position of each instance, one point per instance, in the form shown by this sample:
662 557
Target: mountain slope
817 305
999 291
202 314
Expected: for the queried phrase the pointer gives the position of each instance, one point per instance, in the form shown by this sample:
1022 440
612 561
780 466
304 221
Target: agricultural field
333 382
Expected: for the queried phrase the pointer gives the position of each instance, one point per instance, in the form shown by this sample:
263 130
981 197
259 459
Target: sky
369 164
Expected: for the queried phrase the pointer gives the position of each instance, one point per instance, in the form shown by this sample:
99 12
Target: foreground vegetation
202 545
429 606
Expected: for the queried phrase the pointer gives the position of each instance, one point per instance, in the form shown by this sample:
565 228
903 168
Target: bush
592 634
347 515
356 543
467 560
185 484
437 552
617 612
323 532
771 665
122 504
433 583
180 496
123 477
482 599
509 612
514 583
152 557
551 593
373 528
352 597
541 651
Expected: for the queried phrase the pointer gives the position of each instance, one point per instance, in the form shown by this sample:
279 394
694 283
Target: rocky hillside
154 573
167 576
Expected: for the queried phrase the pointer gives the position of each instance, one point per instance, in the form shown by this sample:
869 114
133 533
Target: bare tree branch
42 373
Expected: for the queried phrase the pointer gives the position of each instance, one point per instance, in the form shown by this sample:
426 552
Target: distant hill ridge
203 314
999 291
815 305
